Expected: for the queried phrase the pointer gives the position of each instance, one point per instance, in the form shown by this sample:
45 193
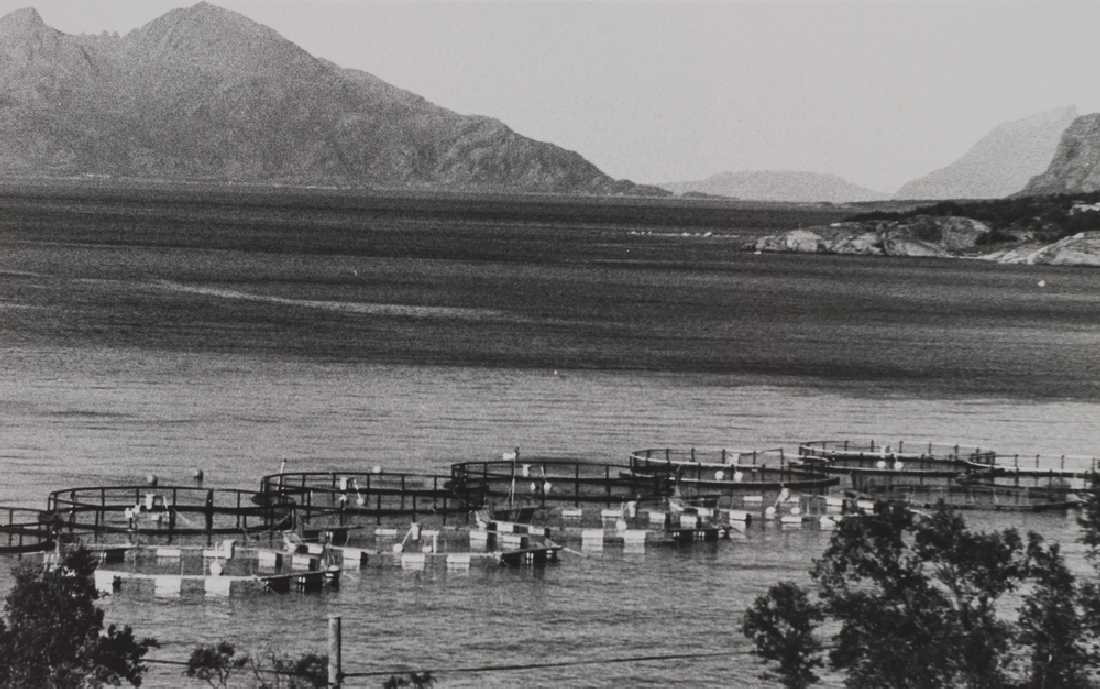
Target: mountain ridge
1075 167
204 93
998 164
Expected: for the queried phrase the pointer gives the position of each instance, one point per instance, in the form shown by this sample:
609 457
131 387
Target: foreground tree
1051 624
54 636
781 625
915 597
221 667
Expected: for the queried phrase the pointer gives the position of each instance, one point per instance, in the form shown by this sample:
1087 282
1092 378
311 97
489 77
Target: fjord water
178 331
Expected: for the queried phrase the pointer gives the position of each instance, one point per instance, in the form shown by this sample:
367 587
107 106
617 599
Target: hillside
778 185
999 164
1075 168
202 93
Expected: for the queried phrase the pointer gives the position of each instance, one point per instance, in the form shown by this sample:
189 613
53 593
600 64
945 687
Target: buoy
769 512
719 475
880 464
899 465
546 487
376 469
151 480
1042 283
737 476
197 475
397 547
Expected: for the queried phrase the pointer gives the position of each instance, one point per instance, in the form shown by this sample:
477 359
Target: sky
876 91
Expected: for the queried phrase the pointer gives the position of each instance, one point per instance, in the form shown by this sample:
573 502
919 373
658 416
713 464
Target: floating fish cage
716 474
1076 471
24 530
840 454
870 465
551 481
346 498
167 513
979 496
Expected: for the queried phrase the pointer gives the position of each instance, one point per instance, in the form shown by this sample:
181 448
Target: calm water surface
152 340
103 416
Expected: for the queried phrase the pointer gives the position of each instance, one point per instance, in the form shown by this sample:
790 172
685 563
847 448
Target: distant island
206 94
776 185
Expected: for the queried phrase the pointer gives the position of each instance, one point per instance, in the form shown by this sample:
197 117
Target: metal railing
834 449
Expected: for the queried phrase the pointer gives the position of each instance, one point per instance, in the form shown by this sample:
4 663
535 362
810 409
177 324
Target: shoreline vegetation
918 600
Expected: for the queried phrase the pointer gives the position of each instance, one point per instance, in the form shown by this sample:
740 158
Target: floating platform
717 474
24 530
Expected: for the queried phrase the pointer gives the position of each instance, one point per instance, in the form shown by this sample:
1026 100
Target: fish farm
297 531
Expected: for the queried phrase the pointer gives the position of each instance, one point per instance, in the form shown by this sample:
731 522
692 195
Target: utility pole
335 676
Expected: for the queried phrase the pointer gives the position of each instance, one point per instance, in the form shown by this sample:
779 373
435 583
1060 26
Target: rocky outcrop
999 164
1082 249
778 185
921 235
1075 167
205 93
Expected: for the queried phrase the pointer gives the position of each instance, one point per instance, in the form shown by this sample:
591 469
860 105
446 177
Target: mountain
1075 167
778 185
205 93
1000 163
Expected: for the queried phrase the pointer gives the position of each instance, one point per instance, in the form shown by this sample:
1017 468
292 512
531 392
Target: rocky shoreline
931 236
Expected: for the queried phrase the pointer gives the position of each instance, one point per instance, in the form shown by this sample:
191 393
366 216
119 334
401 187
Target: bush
54 636
916 597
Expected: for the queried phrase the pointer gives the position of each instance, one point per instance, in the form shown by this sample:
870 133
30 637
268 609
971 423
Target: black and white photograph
366 344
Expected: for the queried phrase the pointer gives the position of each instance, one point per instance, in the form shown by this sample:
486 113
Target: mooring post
334 673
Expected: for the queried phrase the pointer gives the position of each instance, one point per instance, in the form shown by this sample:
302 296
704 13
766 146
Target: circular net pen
541 482
167 513
353 498
728 476
836 455
26 530
967 495
1041 471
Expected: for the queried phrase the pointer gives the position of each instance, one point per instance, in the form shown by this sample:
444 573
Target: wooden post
334 672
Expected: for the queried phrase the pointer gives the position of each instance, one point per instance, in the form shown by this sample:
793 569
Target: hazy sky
878 92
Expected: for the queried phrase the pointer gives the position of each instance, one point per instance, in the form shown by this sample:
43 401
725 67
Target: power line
515 667
509 667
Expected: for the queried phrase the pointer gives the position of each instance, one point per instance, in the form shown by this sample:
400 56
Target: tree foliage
781 625
916 601
221 667
416 680
54 636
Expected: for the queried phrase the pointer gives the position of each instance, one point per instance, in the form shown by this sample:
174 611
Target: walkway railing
1064 465
832 449
552 480
722 472
24 530
166 512
375 494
